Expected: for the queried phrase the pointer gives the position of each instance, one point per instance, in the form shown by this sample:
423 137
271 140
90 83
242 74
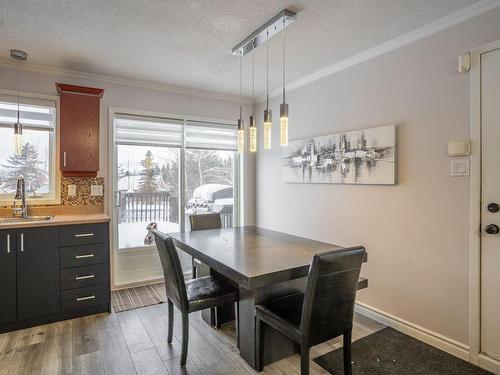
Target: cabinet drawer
78 277
85 297
85 255
84 234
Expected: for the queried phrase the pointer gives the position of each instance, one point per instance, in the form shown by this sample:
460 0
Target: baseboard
146 281
489 364
429 337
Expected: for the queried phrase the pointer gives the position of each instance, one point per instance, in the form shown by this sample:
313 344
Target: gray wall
416 232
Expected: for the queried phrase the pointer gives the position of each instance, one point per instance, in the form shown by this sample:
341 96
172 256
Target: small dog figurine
150 238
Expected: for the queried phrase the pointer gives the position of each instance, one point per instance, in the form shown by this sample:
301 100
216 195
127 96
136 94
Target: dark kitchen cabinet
79 129
37 272
8 311
53 273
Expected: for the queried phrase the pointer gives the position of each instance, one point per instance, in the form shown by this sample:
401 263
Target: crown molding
453 19
123 81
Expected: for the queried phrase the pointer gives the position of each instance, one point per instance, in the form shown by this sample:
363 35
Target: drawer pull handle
85 277
84 235
84 256
85 298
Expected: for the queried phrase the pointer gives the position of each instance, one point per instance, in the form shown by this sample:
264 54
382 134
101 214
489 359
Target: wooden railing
155 206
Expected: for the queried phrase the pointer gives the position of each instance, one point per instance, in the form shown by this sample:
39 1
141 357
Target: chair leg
214 312
347 352
237 322
304 360
185 337
170 320
259 345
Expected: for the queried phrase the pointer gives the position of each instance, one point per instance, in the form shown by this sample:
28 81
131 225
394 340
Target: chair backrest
205 221
172 270
330 294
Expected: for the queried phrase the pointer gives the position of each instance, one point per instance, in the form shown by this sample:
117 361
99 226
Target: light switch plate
71 190
96 190
459 167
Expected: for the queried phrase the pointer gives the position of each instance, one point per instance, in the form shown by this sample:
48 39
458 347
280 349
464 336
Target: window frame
238 163
53 198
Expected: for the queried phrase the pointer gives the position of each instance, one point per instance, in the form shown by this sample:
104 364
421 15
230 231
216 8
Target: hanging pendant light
18 127
284 106
253 124
268 115
241 125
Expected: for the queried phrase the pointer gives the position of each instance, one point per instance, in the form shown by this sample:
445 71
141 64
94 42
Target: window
37 160
168 169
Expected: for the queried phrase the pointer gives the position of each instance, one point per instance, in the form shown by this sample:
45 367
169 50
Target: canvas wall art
365 156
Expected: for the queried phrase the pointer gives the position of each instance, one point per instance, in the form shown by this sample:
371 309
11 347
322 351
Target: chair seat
210 291
283 313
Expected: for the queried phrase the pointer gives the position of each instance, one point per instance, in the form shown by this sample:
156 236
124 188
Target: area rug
141 296
391 352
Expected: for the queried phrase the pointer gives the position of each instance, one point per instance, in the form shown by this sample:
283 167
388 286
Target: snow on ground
132 234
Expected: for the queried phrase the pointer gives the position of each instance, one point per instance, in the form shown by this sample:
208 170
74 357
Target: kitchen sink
27 219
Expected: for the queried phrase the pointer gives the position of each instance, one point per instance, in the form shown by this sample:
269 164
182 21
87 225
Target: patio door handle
118 198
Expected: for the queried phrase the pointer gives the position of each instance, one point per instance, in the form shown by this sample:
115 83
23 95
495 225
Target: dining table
264 264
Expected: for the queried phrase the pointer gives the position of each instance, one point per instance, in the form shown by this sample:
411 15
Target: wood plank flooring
134 342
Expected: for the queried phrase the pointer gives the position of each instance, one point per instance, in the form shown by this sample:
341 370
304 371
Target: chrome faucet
21 194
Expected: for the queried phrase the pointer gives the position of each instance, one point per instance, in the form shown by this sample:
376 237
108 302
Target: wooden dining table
264 264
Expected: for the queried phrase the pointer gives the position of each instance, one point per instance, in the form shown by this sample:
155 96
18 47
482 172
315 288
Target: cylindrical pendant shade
18 138
268 122
284 124
241 137
253 139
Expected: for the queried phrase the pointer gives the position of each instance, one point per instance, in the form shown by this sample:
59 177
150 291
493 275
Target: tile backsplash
82 196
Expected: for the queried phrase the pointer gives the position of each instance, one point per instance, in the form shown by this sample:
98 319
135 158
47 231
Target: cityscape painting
365 156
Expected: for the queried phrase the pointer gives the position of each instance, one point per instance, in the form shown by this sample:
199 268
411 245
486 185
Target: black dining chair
204 221
323 312
189 296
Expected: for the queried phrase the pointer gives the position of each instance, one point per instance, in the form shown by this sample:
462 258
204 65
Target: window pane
148 182
33 163
209 184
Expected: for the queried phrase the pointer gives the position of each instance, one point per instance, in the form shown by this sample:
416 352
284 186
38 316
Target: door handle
492 229
8 243
64 159
22 241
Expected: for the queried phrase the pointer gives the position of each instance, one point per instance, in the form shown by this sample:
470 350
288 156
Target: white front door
490 201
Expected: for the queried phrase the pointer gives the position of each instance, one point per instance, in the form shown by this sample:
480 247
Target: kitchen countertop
60 220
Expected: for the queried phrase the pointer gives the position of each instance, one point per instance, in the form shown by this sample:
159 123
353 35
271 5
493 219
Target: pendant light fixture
241 125
268 115
253 123
284 106
18 127
275 25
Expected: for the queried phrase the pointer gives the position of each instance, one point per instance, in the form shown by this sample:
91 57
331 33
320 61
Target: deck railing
154 206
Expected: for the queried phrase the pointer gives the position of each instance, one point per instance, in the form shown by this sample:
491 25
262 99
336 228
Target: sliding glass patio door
147 188
164 171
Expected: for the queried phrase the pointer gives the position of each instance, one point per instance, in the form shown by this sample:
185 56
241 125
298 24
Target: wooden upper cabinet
79 129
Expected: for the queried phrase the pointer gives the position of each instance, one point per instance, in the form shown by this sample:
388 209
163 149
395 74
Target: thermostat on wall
459 148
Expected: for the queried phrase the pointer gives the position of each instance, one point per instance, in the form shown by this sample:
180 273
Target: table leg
276 345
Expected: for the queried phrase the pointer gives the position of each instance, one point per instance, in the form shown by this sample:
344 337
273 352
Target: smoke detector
18 55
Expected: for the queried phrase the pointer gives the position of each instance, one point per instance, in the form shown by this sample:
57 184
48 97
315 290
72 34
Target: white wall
416 232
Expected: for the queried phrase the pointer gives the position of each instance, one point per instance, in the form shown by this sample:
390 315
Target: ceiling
187 43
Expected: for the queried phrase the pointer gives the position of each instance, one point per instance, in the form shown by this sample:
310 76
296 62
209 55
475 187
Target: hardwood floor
134 342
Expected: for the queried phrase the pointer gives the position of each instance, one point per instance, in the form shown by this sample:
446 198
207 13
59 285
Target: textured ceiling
188 43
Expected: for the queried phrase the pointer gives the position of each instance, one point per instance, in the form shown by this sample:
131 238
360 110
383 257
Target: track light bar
260 36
